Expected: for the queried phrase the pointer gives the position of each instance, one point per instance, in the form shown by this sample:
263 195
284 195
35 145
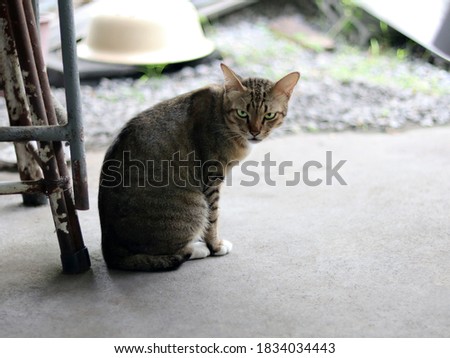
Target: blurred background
366 65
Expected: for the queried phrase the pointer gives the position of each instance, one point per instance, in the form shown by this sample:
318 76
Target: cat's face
255 106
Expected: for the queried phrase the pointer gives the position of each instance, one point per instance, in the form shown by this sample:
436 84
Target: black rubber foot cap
37 199
77 262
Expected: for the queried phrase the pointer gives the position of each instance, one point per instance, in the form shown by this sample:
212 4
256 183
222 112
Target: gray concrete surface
369 259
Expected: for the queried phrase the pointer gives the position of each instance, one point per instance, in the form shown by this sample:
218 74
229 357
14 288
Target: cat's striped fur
161 177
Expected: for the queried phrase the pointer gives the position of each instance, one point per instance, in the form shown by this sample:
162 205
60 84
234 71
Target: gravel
346 89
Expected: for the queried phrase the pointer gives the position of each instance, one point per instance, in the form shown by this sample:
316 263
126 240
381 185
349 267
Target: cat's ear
286 85
232 81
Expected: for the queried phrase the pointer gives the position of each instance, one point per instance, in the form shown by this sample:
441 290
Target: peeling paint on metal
21 187
60 219
45 153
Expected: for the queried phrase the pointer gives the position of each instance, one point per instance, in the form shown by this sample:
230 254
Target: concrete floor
370 259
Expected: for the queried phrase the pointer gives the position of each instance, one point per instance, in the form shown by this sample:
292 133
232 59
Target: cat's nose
254 133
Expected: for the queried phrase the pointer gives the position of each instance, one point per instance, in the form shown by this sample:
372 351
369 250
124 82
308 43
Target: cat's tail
143 262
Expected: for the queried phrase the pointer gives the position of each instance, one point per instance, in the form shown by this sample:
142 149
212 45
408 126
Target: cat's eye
270 115
241 113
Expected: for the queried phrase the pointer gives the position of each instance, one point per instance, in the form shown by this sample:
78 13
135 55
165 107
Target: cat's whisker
229 134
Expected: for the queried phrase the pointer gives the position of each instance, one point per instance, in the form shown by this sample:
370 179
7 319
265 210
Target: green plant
152 71
388 68
374 47
402 53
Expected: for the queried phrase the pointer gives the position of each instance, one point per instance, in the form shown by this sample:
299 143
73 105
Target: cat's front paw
224 248
199 250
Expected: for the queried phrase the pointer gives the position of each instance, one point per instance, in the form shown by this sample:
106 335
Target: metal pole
22 187
34 186
47 98
73 101
74 255
35 4
18 109
38 133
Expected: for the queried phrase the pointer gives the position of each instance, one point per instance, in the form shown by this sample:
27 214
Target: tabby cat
161 177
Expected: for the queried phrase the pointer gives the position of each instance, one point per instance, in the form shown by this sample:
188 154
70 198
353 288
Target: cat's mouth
254 140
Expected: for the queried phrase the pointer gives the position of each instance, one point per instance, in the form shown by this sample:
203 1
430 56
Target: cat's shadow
99 276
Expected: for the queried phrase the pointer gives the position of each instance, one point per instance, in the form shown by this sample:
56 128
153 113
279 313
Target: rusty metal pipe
22 187
74 254
18 109
39 117
79 179
47 98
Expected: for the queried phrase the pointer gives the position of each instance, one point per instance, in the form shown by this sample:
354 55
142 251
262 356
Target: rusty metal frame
33 118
